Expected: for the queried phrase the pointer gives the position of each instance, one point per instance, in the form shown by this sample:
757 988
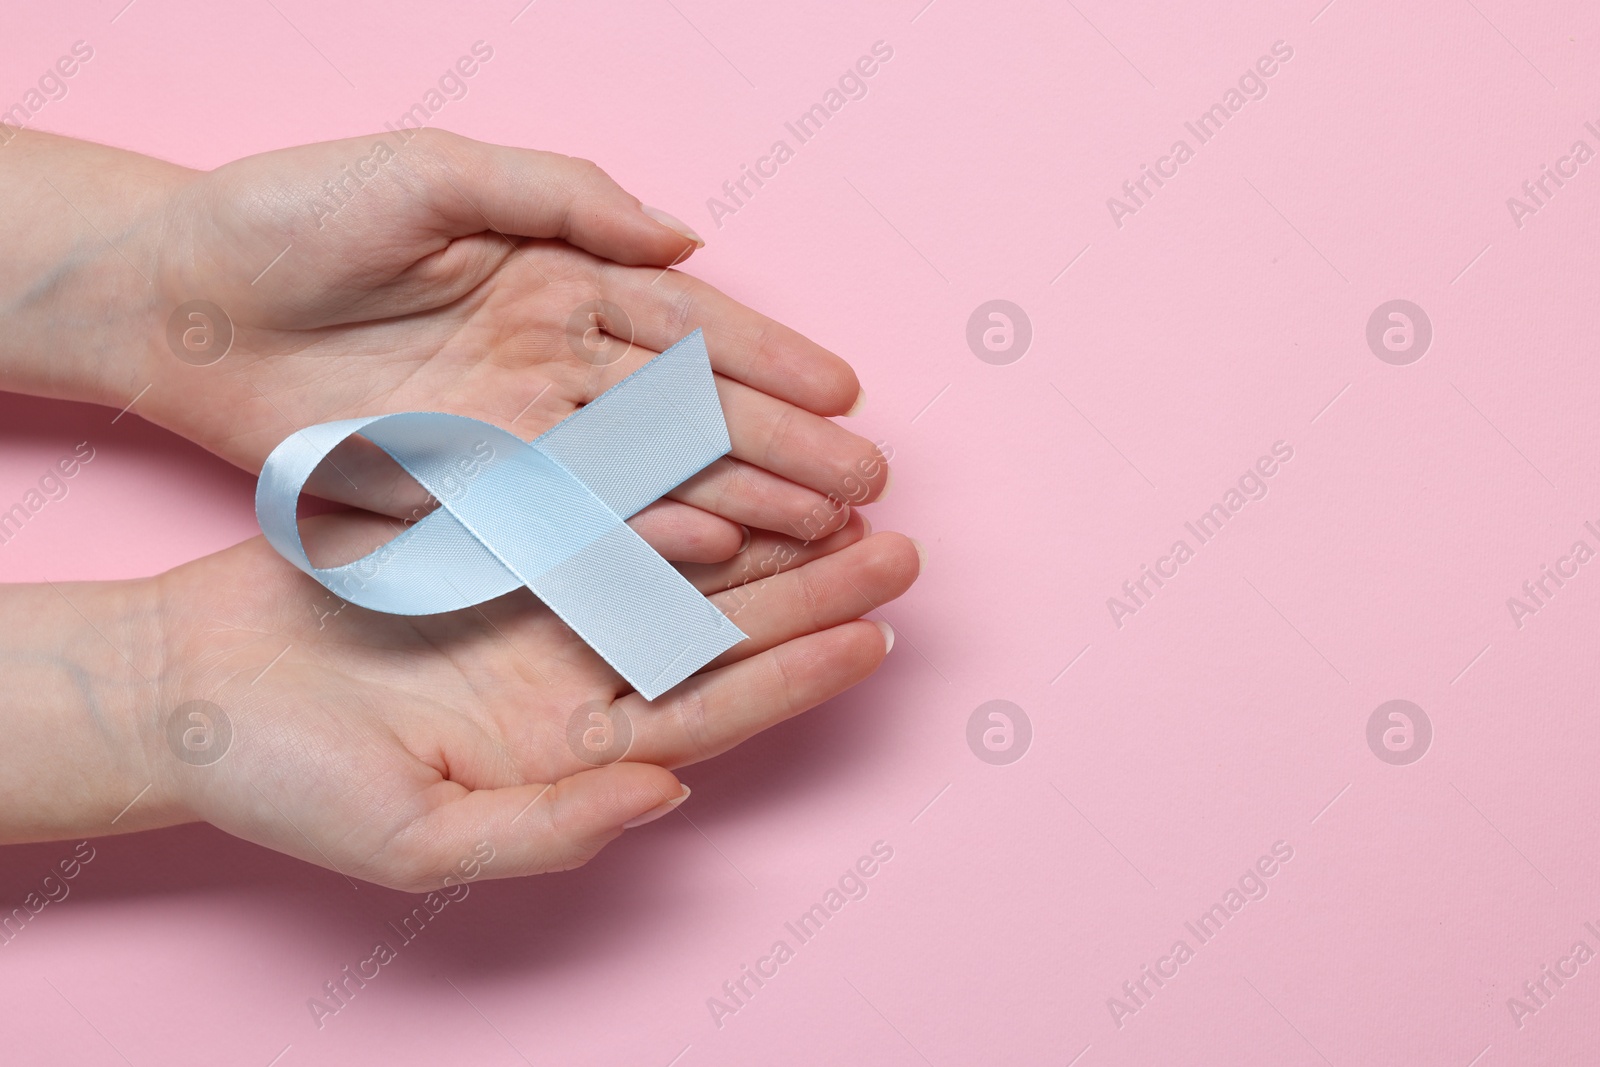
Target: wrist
83 294
82 714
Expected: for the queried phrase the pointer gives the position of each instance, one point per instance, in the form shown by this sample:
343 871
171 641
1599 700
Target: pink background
1230 713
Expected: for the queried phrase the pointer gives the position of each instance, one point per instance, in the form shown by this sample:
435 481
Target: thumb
527 193
530 829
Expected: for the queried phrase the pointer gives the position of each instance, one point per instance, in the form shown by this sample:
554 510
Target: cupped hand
391 749
376 275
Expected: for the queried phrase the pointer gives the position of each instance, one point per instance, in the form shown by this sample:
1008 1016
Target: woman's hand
376 275
237 691
387 747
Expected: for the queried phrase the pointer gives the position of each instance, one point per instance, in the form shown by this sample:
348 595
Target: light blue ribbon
547 515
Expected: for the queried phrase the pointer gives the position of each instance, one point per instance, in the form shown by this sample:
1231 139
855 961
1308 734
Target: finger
765 430
768 554
821 594
804 448
713 712
525 829
745 345
528 193
842 467
686 534
757 498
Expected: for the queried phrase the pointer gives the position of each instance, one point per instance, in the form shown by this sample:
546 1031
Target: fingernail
866 527
922 554
673 223
655 813
888 635
861 402
887 483
748 537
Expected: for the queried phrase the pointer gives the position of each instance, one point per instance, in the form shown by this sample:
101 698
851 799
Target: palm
368 721
405 299
371 743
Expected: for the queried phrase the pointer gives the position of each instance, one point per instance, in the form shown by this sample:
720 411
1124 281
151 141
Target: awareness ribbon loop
549 515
